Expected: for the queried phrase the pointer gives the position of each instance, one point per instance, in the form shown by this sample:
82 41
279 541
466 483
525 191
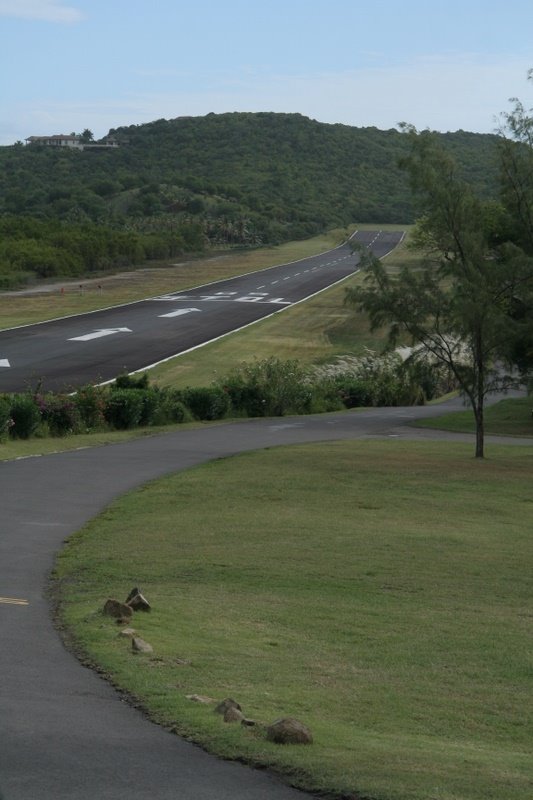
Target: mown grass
512 417
376 590
11 449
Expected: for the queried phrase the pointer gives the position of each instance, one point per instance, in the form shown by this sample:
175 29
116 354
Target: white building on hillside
58 140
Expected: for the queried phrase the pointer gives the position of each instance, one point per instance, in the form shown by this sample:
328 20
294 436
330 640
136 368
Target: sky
67 65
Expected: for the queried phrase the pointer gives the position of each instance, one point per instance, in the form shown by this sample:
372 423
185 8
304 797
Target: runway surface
67 353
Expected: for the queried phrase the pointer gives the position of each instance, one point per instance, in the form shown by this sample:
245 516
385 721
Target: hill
178 185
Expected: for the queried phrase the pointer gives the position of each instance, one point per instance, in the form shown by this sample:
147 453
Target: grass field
381 595
512 417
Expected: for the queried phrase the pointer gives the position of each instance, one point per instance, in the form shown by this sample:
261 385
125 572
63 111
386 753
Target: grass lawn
39 446
510 417
381 595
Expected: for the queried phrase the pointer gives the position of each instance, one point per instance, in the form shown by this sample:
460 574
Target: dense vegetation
270 387
181 185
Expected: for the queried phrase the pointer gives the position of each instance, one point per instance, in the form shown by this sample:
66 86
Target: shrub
25 415
150 406
59 412
124 408
90 402
172 408
207 403
354 392
269 388
125 381
6 421
374 380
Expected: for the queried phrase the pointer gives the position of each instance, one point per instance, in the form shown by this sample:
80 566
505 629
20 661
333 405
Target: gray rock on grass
233 714
222 707
289 731
117 609
138 645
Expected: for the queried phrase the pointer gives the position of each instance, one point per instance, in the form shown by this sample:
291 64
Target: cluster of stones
123 613
285 730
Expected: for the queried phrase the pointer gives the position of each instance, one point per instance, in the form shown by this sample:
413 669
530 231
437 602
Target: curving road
66 733
92 348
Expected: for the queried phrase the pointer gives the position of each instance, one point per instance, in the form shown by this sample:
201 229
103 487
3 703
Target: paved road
96 347
66 733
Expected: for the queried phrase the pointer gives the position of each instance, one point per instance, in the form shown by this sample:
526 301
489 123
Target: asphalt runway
67 353
67 734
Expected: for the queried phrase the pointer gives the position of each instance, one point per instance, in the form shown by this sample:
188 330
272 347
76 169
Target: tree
458 305
87 136
516 167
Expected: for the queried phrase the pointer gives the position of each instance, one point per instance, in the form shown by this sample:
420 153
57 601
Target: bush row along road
92 348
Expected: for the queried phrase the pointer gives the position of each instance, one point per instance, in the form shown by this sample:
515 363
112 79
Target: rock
200 698
289 731
133 592
128 633
248 722
138 645
114 608
139 603
233 714
225 704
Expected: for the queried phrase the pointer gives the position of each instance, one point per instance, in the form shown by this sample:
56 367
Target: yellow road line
14 601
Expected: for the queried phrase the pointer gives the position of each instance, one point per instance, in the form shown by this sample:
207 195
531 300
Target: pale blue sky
71 64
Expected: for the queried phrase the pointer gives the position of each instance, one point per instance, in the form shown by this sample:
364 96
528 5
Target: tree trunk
479 403
480 431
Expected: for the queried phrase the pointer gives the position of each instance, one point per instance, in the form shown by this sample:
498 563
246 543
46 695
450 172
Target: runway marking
251 297
13 601
179 312
98 334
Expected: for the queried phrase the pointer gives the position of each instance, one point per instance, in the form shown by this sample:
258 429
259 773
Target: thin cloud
46 10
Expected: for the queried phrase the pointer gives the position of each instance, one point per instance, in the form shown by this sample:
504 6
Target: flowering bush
59 412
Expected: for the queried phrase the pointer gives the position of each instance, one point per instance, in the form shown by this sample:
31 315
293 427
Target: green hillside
174 186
